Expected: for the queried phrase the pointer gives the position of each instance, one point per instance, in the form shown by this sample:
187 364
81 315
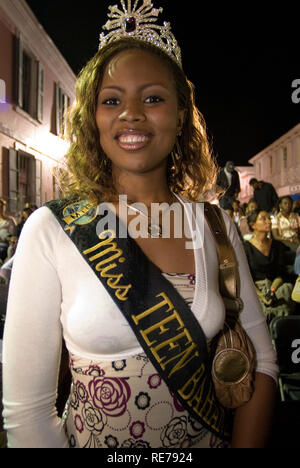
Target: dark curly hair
87 171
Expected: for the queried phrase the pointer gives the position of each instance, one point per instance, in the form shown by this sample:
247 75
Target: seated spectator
296 290
297 262
237 212
286 225
267 265
296 207
13 241
230 212
5 271
6 228
28 210
244 228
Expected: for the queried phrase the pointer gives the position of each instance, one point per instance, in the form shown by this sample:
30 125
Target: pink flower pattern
110 395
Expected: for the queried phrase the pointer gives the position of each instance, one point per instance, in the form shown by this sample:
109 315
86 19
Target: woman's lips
132 141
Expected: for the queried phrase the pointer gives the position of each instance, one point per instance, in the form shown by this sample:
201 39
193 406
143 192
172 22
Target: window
259 170
271 164
62 102
285 157
22 180
29 88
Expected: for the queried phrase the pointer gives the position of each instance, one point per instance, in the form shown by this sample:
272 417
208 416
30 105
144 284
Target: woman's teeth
133 138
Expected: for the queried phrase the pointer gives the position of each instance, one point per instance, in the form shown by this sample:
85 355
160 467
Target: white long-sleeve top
53 291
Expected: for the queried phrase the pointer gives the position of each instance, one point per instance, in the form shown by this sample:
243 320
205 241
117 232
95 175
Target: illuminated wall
36 87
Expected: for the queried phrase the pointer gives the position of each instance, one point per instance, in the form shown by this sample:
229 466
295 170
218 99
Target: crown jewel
138 23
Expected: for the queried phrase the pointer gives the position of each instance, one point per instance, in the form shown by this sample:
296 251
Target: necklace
262 244
154 229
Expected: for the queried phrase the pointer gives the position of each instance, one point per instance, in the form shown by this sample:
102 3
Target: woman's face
137 113
263 222
286 205
252 206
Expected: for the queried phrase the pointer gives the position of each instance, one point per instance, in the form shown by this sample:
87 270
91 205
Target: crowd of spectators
270 231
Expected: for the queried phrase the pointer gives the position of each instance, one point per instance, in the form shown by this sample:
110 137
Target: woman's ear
181 118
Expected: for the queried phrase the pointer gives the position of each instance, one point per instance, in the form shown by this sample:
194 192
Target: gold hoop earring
176 154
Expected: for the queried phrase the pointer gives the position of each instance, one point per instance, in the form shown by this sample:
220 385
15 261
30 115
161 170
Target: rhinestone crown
138 23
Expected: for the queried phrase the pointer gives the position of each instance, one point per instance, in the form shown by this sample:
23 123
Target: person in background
230 211
237 212
229 180
296 290
27 211
12 245
6 229
296 207
244 227
266 258
265 195
286 224
297 262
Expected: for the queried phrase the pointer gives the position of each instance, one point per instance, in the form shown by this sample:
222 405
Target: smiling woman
139 122
164 90
138 314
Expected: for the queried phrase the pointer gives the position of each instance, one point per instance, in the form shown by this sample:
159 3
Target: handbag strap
229 275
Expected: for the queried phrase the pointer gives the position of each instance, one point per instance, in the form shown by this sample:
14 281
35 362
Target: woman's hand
253 421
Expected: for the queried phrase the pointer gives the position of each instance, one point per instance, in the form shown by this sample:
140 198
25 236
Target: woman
286 224
7 225
135 131
266 259
244 228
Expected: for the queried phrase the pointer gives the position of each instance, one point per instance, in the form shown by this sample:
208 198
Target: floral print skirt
126 404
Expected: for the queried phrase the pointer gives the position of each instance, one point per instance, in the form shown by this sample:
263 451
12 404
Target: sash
163 323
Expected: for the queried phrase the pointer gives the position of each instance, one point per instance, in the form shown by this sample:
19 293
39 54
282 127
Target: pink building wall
38 140
279 163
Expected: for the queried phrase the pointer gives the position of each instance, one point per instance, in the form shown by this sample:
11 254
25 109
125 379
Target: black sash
163 323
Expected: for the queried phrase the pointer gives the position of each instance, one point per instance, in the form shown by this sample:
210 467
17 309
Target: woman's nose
132 112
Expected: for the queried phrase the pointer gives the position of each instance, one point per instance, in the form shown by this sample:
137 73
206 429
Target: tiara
138 23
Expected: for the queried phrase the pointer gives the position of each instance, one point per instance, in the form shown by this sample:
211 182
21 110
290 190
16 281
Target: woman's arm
32 339
253 421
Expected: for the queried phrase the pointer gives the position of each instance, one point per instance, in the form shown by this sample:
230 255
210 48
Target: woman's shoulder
248 246
40 221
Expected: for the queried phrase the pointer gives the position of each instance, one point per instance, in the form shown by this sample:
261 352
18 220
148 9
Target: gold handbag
234 361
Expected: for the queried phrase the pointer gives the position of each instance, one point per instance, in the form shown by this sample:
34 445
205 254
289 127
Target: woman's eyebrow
141 88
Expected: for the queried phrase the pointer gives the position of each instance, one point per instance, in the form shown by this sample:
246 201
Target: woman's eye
111 102
153 99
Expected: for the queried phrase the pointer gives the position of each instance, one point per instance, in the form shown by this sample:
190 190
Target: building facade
279 163
36 87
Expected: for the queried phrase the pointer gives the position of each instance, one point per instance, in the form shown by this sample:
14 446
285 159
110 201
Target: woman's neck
144 189
261 237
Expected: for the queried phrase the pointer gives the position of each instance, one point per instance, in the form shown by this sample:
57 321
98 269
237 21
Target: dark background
242 60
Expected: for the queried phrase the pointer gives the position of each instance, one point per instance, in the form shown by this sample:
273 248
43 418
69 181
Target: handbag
233 354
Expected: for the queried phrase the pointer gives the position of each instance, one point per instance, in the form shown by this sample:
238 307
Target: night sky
242 63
